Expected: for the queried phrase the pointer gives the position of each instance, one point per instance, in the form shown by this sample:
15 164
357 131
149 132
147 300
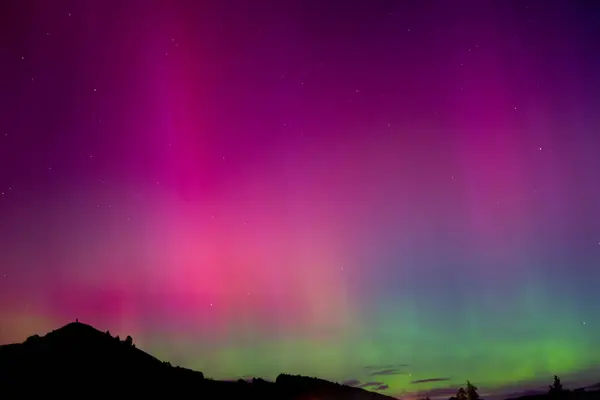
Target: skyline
265 188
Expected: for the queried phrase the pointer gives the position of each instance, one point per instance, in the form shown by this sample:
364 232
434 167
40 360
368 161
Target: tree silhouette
461 394
33 339
472 392
556 388
129 341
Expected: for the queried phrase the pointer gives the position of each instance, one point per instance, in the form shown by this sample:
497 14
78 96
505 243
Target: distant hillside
588 393
306 386
78 360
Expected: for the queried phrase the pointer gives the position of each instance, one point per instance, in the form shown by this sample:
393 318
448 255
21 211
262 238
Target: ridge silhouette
77 360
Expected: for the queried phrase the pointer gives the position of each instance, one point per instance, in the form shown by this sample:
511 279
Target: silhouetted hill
78 355
308 387
588 393
79 361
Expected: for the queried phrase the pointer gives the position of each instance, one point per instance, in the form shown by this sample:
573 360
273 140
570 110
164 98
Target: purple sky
403 194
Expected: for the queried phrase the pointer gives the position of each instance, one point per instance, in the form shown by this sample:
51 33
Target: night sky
401 195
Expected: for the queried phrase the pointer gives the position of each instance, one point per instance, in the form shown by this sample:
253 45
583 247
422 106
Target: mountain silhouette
79 361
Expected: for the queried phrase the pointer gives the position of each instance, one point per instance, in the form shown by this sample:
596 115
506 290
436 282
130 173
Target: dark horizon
267 186
89 357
